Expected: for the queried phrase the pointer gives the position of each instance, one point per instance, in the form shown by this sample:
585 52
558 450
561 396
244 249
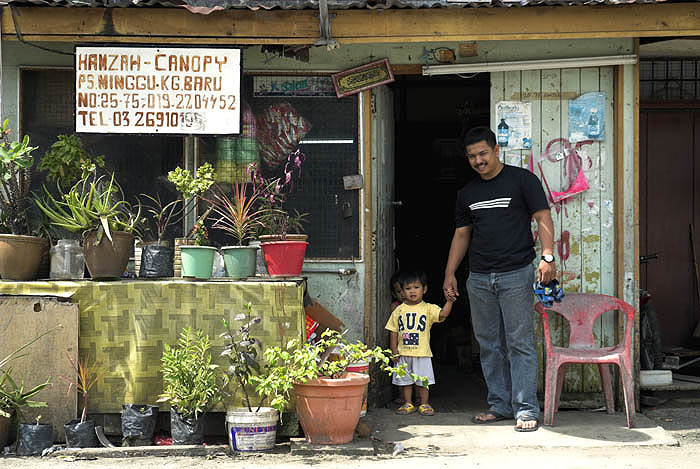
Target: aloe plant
93 203
13 395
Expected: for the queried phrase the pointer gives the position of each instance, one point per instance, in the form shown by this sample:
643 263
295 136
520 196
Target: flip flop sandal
426 409
406 409
496 418
525 419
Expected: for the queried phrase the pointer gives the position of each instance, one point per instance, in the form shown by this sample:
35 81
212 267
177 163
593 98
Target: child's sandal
426 409
406 409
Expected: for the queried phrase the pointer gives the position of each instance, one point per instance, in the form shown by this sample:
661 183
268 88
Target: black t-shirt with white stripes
499 211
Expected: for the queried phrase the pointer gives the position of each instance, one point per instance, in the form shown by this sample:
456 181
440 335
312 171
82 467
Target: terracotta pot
21 256
107 259
329 409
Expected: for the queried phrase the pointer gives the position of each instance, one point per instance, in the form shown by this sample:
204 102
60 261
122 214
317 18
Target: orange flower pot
329 409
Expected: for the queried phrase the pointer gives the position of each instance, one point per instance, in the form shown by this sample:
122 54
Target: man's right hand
449 288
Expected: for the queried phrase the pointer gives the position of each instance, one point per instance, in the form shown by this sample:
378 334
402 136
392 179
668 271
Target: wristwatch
548 258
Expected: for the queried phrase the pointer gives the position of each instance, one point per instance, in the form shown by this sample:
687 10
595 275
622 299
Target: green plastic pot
197 261
239 260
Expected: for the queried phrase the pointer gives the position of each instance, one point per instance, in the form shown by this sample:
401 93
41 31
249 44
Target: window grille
669 79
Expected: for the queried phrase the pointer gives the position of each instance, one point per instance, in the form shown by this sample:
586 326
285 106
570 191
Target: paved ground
668 435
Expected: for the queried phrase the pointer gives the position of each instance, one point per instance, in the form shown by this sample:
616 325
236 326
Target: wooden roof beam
352 26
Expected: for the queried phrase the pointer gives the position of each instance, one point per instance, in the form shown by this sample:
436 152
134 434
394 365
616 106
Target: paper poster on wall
587 117
514 129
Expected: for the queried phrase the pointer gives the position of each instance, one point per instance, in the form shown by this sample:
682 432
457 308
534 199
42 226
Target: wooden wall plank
352 26
590 268
531 85
607 196
568 242
511 86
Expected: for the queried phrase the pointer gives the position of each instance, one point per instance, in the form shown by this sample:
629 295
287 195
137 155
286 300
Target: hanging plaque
362 78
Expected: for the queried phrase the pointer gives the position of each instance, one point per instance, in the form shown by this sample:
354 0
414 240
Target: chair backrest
581 310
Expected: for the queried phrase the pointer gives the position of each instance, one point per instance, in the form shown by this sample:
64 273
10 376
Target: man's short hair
479 134
414 276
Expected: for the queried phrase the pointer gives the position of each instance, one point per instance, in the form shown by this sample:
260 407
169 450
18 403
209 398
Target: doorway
669 201
431 117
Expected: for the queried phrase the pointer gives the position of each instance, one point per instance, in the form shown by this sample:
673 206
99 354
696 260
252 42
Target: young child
410 325
396 291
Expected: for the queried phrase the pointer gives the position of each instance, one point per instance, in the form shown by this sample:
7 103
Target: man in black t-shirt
493 219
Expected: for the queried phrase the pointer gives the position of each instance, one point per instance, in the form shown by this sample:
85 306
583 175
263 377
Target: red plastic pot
284 258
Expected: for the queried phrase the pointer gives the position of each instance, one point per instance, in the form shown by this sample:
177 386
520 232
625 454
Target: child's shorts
422 366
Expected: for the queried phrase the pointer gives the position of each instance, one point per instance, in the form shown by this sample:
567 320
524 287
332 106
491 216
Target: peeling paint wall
341 294
584 223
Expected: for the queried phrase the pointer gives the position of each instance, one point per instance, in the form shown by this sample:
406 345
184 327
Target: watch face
548 257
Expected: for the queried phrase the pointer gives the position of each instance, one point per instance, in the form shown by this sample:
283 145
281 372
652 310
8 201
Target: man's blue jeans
502 308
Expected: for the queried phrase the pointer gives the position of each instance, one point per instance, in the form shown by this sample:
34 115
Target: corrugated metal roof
212 5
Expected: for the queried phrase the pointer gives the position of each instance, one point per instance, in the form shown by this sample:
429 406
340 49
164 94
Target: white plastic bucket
360 367
251 431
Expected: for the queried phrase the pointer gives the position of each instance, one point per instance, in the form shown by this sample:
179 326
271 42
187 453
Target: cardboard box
325 319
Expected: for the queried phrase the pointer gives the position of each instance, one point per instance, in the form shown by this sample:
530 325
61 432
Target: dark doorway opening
432 115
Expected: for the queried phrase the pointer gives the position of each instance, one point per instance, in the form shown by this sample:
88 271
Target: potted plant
240 216
80 433
328 398
281 238
21 253
95 207
156 253
13 395
139 422
191 385
250 427
197 255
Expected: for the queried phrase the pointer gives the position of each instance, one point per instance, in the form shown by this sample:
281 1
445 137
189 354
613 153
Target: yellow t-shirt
413 323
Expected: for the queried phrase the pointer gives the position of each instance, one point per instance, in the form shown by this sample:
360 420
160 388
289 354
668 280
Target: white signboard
168 90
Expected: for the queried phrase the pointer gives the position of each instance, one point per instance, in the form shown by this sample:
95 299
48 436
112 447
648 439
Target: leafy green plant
86 374
15 180
241 350
192 186
67 161
192 189
189 377
13 395
299 364
93 203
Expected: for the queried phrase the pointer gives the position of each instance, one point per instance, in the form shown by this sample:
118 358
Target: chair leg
550 392
604 369
628 388
560 385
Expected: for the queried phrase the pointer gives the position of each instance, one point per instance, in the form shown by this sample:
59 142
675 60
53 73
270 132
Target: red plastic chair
581 310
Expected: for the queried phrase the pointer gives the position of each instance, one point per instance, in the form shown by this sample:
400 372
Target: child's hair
414 276
396 278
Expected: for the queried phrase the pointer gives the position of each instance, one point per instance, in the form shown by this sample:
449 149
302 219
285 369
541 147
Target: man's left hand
546 271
